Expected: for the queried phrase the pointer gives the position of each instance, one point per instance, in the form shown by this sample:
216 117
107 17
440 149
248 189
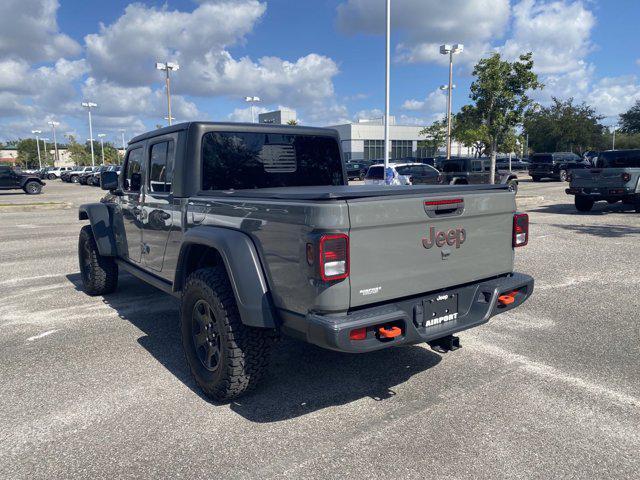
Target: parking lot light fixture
101 137
450 50
252 101
36 133
55 142
89 106
167 67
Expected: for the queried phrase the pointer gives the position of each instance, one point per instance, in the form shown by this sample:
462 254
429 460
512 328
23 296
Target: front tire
583 203
99 274
51 177
74 179
564 176
513 186
226 357
33 188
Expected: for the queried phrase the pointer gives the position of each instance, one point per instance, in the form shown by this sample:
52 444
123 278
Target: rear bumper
477 303
602 193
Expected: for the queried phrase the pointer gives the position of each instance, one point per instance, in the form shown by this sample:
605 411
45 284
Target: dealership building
364 140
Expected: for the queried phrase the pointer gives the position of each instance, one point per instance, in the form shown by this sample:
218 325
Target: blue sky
324 58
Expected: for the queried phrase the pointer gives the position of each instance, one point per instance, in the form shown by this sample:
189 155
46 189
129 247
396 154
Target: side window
161 167
476 166
133 171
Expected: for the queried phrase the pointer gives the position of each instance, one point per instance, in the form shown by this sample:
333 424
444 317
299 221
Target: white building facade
364 140
278 117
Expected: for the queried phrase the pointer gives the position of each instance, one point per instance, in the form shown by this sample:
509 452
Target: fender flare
101 219
243 267
25 180
461 180
506 178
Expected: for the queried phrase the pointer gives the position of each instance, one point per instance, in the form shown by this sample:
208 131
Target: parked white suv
404 174
57 171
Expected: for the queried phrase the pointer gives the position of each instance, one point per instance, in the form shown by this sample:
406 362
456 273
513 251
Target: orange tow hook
390 332
507 298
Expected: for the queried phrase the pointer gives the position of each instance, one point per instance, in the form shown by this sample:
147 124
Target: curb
29 207
528 200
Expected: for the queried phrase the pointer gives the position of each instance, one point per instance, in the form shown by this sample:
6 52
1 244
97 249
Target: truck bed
350 192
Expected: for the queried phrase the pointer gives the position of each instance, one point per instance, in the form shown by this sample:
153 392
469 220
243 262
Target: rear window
619 159
375 173
542 158
239 161
451 166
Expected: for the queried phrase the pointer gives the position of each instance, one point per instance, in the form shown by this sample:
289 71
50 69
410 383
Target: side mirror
109 180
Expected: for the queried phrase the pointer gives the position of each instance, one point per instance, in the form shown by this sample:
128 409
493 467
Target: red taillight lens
358 334
626 177
334 257
520 230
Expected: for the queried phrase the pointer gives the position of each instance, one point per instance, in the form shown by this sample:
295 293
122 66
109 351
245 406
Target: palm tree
292 122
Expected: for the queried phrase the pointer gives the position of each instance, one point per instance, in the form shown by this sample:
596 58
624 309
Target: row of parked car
82 175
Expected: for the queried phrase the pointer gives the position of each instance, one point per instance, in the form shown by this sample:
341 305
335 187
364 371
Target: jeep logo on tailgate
454 236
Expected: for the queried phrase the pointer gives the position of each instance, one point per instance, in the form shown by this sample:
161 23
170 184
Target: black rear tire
32 188
564 176
513 186
226 357
99 274
583 203
51 177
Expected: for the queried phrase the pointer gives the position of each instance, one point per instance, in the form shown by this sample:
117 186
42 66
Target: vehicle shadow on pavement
605 231
570 209
302 378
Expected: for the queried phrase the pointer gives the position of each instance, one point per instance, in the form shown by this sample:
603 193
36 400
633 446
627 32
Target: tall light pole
44 147
89 106
252 101
387 87
167 67
36 133
613 146
101 137
450 50
55 142
124 145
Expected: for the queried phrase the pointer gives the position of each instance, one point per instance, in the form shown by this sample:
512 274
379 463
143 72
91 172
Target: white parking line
42 335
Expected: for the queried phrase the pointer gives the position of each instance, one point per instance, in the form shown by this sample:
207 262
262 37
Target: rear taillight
520 230
334 257
626 177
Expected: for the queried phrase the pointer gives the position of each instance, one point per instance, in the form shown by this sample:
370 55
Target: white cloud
559 34
614 95
30 31
434 103
425 24
244 115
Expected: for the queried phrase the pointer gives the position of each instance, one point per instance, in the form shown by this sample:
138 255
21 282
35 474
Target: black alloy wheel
206 335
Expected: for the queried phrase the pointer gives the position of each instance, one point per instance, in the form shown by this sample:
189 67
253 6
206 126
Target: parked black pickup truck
255 229
472 171
557 165
13 179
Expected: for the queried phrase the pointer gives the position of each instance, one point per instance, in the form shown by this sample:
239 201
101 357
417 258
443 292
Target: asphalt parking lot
98 387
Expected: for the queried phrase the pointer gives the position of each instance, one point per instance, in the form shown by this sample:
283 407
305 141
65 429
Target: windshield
238 161
619 159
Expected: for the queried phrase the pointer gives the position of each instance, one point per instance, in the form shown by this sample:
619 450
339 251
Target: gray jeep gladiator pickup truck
616 179
256 230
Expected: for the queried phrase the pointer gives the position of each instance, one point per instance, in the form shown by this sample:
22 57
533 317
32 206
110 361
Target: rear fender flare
505 179
101 218
242 263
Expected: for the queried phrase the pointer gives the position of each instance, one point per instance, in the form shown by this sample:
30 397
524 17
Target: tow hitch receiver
445 344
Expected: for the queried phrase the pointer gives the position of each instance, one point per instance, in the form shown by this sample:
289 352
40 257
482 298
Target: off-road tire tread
583 204
103 270
248 349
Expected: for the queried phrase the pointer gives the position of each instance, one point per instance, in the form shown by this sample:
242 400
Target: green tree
78 152
292 122
624 141
630 120
468 129
500 94
564 126
28 153
436 136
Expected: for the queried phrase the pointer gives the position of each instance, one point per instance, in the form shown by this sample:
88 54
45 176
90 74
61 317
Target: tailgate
597 178
389 239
